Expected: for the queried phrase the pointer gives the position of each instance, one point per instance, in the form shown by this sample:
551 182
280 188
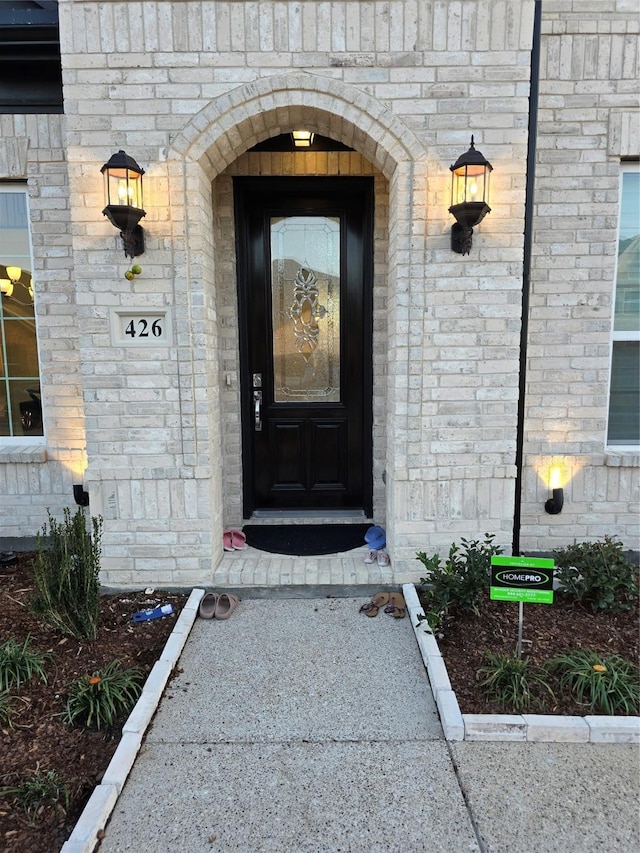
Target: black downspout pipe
526 268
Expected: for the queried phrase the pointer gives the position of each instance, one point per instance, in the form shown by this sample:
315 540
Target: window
624 395
20 409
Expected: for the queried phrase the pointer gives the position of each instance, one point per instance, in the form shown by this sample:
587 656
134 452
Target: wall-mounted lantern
302 138
469 197
123 200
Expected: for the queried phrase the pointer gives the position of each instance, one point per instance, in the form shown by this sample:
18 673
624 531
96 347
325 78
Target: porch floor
253 568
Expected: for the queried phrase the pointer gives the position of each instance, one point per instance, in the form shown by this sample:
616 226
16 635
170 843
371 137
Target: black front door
304 275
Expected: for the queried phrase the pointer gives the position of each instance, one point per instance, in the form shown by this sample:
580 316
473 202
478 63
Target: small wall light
79 495
469 197
302 138
555 503
123 200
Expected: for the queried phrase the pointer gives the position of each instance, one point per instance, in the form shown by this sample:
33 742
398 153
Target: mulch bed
38 738
549 630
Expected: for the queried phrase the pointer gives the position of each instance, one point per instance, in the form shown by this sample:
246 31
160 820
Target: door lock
257 411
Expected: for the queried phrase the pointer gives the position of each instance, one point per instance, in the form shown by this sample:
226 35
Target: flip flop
238 540
225 606
383 559
208 605
227 540
371 607
370 556
397 606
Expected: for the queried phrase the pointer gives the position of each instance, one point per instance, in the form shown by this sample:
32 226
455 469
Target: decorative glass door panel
305 306
304 278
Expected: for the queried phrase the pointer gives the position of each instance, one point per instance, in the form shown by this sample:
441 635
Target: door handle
257 413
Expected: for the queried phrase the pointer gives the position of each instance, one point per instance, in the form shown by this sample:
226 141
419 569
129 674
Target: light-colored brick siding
186 88
588 104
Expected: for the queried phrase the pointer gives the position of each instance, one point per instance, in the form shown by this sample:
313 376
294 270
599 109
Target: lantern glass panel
470 183
123 187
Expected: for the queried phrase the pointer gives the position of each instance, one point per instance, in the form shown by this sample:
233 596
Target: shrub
459 583
597 574
43 788
513 681
66 575
98 700
608 684
19 663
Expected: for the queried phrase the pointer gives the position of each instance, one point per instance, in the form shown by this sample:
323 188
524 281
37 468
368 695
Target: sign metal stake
520 621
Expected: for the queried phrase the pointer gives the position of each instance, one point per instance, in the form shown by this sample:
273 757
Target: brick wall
186 88
35 478
588 110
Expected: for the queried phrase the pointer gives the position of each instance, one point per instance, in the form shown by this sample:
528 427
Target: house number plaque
133 327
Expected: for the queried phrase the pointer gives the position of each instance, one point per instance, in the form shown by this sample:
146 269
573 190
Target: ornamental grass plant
19 663
514 682
42 788
99 700
606 684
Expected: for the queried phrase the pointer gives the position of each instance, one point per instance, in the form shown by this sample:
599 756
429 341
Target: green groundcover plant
607 684
19 663
66 575
42 788
598 575
98 700
516 683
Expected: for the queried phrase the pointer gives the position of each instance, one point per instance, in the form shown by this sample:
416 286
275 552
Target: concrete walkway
302 725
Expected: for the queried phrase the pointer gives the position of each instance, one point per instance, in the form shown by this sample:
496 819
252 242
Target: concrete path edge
96 813
539 728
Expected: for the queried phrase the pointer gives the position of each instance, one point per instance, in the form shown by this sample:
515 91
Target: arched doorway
213 149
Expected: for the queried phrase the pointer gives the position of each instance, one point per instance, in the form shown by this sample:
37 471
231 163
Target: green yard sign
522 579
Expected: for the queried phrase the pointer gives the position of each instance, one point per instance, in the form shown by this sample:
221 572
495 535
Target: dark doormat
305 540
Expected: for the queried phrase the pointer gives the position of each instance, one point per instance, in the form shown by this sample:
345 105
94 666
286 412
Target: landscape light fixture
302 138
123 201
555 503
469 197
79 495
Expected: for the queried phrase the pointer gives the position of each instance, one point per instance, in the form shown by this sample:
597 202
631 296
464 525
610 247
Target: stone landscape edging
102 801
541 728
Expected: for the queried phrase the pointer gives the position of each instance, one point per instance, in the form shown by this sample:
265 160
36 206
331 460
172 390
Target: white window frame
7 186
627 336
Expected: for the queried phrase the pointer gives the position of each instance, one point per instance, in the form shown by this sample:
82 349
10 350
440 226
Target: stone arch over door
213 140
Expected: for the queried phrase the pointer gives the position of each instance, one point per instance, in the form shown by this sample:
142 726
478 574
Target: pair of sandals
217 605
234 540
393 603
379 557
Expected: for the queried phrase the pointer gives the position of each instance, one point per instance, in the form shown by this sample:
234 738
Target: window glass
20 408
624 397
